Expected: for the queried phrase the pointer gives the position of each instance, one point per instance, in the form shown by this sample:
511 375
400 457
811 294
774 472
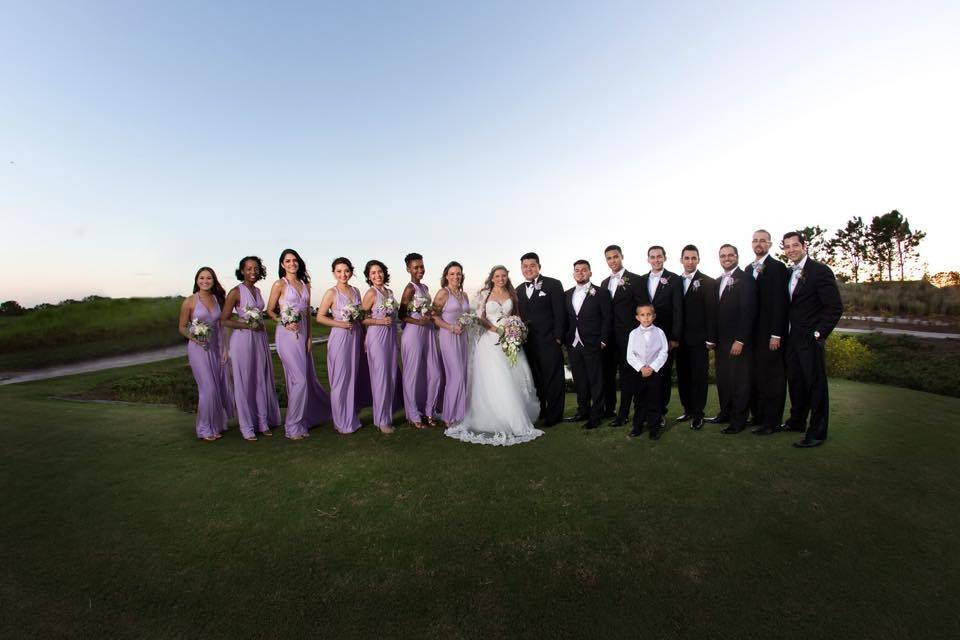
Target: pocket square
543 294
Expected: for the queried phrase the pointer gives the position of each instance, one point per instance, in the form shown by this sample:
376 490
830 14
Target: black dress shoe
576 418
731 430
590 424
763 431
663 423
636 431
683 417
786 426
808 443
608 414
655 433
717 419
697 424
617 422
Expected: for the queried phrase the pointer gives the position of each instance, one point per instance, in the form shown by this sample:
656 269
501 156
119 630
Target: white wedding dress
502 402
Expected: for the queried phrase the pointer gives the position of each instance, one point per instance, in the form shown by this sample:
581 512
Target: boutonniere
731 281
592 291
624 282
695 284
664 281
537 285
759 268
800 276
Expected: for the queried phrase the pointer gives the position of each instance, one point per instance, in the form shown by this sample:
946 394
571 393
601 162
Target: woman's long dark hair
302 274
450 265
216 290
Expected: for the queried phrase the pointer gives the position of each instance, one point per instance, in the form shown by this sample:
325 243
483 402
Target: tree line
885 247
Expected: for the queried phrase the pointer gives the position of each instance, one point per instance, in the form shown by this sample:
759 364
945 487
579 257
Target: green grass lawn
116 522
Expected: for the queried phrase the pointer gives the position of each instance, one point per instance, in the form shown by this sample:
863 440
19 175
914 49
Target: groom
541 306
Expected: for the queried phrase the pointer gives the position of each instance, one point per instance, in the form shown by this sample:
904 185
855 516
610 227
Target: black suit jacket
772 299
667 302
594 322
624 303
736 309
815 304
544 313
700 310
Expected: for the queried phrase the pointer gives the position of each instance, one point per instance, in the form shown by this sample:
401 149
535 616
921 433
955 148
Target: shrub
847 357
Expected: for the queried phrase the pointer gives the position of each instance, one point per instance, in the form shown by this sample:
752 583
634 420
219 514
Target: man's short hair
690 247
794 234
613 247
769 237
655 247
735 251
646 305
530 255
581 261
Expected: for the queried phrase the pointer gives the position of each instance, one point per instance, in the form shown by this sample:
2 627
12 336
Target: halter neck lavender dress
307 403
381 348
344 365
215 405
253 386
422 369
453 351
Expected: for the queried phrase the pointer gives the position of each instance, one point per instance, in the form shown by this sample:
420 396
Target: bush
847 357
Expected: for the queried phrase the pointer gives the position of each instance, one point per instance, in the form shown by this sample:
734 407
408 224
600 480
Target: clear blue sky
141 140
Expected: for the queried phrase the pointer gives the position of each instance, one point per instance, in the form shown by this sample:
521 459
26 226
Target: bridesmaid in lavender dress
344 346
422 370
451 303
206 358
307 403
252 366
381 342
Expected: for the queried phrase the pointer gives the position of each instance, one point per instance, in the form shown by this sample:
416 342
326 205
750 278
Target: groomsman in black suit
540 302
769 370
699 327
625 292
589 314
815 310
736 312
664 290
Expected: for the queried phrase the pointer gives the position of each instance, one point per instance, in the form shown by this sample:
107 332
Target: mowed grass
117 522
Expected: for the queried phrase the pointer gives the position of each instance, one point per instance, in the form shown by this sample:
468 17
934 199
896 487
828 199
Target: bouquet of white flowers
200 331
513 333
389 306
290 315
420 305
469 319
351 313
252 317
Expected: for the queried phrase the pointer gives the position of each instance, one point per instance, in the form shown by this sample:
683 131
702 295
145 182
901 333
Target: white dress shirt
795 276
615 282
757 263
579 295
531 287
687 279
647 347
724 280
652 281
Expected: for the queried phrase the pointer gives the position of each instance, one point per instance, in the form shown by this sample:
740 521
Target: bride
501 399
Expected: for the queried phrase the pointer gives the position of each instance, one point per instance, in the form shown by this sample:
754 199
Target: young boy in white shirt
647 352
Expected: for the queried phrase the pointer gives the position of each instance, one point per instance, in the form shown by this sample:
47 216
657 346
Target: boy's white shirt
647 347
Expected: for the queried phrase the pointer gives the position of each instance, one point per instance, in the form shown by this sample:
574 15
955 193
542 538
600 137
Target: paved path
901 332
113 362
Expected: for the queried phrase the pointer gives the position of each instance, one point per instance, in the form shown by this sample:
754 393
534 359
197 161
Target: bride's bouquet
200 331
513 333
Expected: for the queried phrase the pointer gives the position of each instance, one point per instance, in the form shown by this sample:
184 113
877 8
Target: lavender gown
381 348
215 406
344 365
253 386
307 403
453 350
422 370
